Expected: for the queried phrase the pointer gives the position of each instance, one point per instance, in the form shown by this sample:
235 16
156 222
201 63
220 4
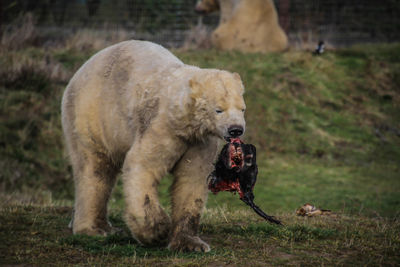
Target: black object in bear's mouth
236 171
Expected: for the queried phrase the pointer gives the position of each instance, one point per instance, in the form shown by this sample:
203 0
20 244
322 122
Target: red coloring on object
227 186
236 162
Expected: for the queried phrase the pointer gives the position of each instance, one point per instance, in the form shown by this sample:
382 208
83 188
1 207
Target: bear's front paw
187 243
150 230
99 228
152 236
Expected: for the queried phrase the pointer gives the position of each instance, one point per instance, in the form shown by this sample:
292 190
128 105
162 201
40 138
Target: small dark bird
320 48
236 171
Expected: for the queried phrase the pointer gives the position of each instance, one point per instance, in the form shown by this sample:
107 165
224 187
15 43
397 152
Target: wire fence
170 22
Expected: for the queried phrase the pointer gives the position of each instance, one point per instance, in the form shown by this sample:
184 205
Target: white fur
134 106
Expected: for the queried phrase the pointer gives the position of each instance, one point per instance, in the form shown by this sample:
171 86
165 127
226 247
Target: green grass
38 235
326 130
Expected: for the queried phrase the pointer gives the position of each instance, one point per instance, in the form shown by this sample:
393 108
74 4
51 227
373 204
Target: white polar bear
135 107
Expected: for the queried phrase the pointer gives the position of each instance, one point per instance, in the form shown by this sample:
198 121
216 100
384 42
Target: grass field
326 128
38 236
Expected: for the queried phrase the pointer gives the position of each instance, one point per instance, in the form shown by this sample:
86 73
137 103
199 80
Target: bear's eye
243 110
219 111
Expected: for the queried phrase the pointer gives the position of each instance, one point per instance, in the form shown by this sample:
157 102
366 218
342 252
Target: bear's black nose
235 131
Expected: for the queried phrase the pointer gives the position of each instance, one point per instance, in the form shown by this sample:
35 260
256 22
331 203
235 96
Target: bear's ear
195 88
237 77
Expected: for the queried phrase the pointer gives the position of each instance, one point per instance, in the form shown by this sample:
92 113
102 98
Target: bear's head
217 102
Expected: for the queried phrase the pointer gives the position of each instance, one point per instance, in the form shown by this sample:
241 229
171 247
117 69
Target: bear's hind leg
94 175
189 196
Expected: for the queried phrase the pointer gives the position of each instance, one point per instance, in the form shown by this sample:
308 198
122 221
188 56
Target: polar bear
246 25
135 107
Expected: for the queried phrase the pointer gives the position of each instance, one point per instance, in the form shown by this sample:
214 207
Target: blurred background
168 22
326 127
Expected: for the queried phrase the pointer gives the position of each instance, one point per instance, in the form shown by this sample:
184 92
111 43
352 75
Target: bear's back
121 70
150 57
